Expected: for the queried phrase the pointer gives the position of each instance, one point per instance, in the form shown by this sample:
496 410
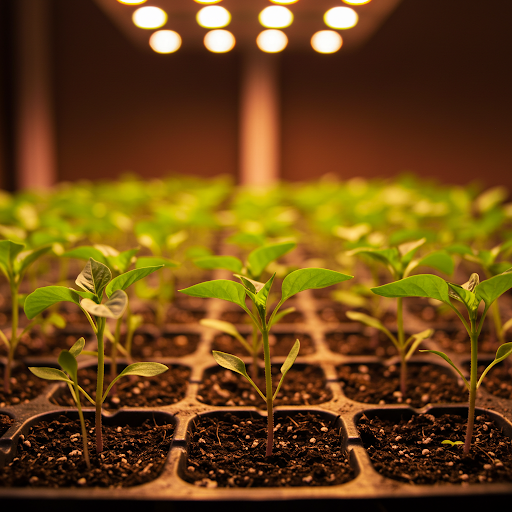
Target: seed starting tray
171 489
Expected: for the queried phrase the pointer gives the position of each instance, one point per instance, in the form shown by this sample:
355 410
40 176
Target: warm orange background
430 93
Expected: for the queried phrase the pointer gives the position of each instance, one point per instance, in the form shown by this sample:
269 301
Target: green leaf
94 277
77 347
421 285
290 359
86 252
143 369
28 257
463 295
452 443
123 260
408 249
310 278
502 353
490 289
415 340
250 285
113 308
219 262
262 295
373 322
67 362
8 252
44 297
230 362
150 261
128 278
389 257
450 362
260 258
440 260
218 289
279 316
222 326
49 373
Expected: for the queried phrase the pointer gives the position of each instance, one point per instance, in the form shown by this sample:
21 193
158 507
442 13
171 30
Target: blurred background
419 86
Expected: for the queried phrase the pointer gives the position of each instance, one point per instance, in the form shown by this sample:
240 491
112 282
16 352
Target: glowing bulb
272 41
149 17
341 17
285 2
326 41
219 41
213 16
206 2
131 2
356 2
276 16
165 41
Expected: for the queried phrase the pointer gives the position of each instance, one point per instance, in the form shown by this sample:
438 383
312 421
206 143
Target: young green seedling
400 262
470 295
264 319
95 280
491 263
14 262
255 265
69 374
119 263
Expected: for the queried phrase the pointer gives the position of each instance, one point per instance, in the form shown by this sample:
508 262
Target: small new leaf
310 278
94 277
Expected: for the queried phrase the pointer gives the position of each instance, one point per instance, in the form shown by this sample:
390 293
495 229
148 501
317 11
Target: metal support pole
259 120
35 142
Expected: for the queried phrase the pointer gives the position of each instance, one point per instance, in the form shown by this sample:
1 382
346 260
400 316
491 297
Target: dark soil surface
229 451
360 344
411 450
379 384
457 341
51 456
164 389
24 387
280 344
164 345
303 385
5 423
498 381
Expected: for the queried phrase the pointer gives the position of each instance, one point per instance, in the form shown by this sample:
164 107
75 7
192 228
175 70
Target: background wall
429 93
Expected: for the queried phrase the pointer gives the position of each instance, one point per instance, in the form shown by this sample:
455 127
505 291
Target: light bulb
272 41
326 41
213 16
219 41
149 17
276 16
341 17
165 41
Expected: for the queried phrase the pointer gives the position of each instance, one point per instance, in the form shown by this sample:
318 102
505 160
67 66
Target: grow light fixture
219 41
326 41
213 16
341 18
165 41
276 16
272 41
149 17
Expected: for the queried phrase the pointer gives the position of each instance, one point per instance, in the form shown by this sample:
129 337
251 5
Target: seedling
263 320
69 374
14 262
491 263
95 280
470 295
400 262
119 263
451 443
255 265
